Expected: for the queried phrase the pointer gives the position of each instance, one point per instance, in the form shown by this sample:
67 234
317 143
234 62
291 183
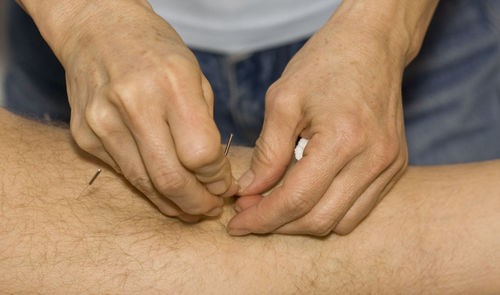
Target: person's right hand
140 103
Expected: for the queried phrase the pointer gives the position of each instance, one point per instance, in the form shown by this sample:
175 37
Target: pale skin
141 104
436 232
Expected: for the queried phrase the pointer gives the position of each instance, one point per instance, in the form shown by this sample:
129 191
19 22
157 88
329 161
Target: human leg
436 232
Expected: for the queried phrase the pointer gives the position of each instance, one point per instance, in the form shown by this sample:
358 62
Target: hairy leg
438 231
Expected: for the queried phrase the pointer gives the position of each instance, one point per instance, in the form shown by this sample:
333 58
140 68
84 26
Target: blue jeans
451 91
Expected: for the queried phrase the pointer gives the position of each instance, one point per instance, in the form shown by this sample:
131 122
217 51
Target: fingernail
238 231
214 212
246 180
236 207
232 190
217 188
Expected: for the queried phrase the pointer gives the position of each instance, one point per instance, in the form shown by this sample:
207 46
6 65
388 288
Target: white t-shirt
242 26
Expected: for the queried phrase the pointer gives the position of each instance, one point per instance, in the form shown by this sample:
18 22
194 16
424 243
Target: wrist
398 26
64 24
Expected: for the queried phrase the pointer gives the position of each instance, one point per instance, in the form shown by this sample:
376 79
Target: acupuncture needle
226 151
228 145
90 182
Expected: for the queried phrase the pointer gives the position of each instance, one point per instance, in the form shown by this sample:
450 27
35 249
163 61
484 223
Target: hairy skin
436 232
139 101
141 104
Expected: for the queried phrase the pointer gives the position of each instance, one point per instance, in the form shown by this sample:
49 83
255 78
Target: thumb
272 154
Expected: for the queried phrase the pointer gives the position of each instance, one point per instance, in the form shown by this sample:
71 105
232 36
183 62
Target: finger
345 190
168 175
156 147
88 141
84 136
368 200
208 94
232 190
196 137
245 202
274 147
302 188
105 120
188 218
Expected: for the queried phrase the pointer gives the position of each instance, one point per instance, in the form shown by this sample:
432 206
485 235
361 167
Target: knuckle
86 142
385 153
156 85
180 63
170 182
351 135
351 124
132 98
87 145
141 182
280 101
100 119
122 95
265 154
176 69
298 204
201 154
273 91
121 92
320 227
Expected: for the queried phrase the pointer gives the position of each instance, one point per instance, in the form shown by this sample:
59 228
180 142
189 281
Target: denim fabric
34 79
451 92
240 85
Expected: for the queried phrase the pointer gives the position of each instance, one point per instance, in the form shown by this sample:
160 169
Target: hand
342 91
140 103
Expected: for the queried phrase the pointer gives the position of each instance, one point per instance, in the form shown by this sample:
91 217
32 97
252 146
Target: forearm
437 230
69 25
401 25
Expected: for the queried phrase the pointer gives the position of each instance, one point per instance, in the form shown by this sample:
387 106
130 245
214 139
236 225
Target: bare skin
342 91
436 232
141 104
139 101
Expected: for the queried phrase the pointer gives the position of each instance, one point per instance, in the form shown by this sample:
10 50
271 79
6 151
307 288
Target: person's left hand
342 91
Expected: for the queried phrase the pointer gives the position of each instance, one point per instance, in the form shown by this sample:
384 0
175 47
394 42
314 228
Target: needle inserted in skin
228 145
90 182
95 176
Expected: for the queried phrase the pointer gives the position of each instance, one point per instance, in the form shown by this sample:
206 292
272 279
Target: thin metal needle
95 176
90 182
228 145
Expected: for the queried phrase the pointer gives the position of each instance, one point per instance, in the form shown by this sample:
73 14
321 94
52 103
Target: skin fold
436 232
